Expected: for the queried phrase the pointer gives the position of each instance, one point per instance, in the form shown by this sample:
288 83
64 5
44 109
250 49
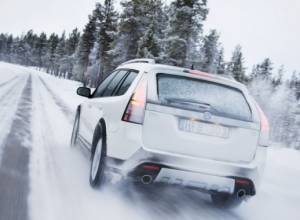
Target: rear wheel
226 200
75 131
97 165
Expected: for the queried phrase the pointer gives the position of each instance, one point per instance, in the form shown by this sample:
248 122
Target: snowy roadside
59 187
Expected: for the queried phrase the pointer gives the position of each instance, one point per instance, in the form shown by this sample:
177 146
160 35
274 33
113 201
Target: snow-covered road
42 178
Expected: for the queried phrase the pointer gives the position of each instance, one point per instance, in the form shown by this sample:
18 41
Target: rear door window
114 83
101 88
201 95
127 82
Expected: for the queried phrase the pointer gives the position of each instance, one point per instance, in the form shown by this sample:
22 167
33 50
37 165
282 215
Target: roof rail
142 60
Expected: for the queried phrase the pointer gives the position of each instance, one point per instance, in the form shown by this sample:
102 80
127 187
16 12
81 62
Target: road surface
42 178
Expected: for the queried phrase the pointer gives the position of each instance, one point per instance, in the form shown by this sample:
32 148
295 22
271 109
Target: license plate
203 128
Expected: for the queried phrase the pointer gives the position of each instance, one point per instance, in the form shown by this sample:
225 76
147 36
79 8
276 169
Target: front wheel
226 200
97 165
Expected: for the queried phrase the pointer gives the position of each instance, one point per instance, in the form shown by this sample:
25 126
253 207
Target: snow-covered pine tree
184 28
278 99
19 49
6 42
72 42
236 66
50 55
254 72
221 65
159 12
85 46
3 46
29 41
295 84
280 105
210 53
277 79
41 49
149 45
297 87
59 54
68 60
107 31
93 63
294 88
265 68
9 45
131 29
262 71
92 73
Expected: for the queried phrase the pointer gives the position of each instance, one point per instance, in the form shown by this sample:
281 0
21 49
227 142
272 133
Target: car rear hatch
199 118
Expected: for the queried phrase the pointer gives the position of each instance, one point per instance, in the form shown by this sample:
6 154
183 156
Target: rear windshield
200 95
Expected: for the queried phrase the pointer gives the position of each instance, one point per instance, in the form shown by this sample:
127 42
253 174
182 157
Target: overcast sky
264 28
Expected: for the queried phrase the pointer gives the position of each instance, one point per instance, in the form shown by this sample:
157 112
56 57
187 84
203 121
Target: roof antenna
192 67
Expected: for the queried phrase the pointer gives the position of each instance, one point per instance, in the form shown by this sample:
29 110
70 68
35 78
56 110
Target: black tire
75 130
226 200
97 174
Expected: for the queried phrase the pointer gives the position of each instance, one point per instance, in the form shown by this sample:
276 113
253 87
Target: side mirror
84 91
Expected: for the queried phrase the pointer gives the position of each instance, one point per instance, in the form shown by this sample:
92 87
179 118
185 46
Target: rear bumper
196 180
207 174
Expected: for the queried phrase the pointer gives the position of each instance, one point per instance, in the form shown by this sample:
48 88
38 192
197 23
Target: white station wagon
154 123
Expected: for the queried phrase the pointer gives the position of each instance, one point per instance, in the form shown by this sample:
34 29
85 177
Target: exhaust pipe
146 179
241 193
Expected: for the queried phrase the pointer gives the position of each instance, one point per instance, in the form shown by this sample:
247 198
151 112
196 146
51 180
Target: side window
114 83
126 83
101 88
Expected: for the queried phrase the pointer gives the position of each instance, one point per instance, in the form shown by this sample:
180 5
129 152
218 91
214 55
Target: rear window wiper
202 105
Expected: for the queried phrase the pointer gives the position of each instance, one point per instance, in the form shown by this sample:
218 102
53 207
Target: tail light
264 127
242 181
135 110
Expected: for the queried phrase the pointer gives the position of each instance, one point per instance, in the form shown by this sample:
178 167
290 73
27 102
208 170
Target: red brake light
151 167
242 181
135 110
264 128
264 123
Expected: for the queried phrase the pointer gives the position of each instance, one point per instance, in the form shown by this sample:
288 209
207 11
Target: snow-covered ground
58 176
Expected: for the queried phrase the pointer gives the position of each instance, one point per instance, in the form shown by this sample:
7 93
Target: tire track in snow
14 170
68 112
55 168
46 141
9 99
6 91
8 81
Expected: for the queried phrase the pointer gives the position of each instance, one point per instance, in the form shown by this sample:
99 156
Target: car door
105 103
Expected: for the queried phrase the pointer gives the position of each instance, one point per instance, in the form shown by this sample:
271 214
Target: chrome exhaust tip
146 179
241 193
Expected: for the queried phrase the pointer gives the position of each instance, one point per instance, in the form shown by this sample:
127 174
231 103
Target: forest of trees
170 34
